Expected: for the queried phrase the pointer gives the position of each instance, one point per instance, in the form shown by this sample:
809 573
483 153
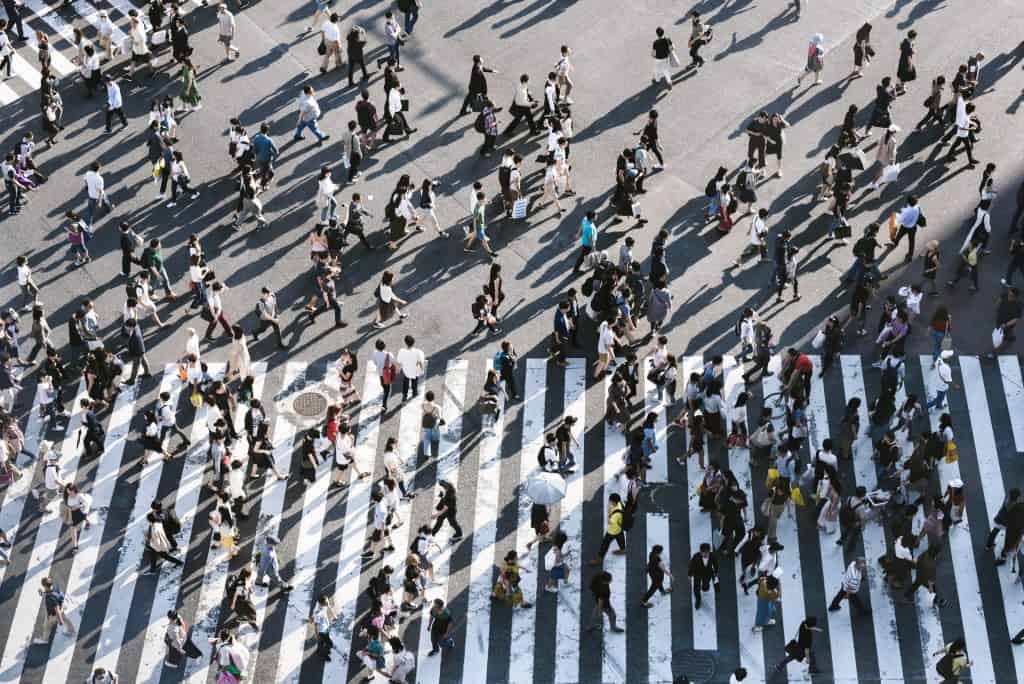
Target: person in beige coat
886 154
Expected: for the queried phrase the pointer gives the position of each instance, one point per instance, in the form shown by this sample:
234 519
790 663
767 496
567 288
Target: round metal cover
309 404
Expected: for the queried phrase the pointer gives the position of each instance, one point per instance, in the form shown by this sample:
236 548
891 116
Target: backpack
478 124
541 461
58 596
172 525
760 437
499 361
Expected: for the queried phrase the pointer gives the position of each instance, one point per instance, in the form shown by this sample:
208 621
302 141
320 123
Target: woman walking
657 571
189 87
77 506
178 641
387 301
886 155
862 50
158 545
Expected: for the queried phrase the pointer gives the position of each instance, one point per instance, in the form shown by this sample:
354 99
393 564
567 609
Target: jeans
330 209
937 338
165 280
393 53
92 206
429 437
765 612
939 400
411 17
312 126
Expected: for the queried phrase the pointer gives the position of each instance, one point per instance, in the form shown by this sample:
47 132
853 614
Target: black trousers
450 517
414 383
657 584
968 145
120 114
695 52
518 114
584 253
852 598
262 328
699 587
911 234
510 383
468 101
155 556
329 303
358 232
352 68
324 645
386 393
93 443
353 166
606 542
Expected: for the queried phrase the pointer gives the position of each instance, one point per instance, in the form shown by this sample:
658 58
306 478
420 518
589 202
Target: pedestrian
352 152
479 229
587 235
13 10
564 69
522 108
158 545
933 103
907 221
886 155
190 96
446 509
769 591
53 601
138 39
410 362
330 43
906 71
388 302
800 648
394 113
954 660
663 53
309 113
657 571
968 125
441 626
477 90
248 201
862 50
600 589
815 60
849 587
1008 313
226 31
355 43
178 640
703 570
615 531
487 123
115 103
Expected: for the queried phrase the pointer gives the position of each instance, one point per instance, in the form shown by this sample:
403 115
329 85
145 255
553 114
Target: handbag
519 208
766 507
947 342
387 374
952 452
894 226
998 335
321 49
796 495
819 340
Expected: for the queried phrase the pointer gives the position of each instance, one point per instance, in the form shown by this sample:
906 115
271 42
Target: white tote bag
890 173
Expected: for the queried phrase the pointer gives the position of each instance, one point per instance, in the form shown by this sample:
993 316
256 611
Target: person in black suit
92 444
477 82
13 10
703 570
136 351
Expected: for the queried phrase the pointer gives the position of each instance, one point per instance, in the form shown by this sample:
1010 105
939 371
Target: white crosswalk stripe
475 655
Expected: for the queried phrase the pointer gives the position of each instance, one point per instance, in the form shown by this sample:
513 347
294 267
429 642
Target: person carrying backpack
505 364
53 600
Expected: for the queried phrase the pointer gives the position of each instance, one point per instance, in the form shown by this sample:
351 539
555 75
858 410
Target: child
738 432
78 236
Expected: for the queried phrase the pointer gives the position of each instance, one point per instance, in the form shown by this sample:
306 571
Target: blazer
698 570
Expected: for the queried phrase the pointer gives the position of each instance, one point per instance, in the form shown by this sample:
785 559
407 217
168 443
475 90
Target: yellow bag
158 168
196 398
797 496
952 453
773 475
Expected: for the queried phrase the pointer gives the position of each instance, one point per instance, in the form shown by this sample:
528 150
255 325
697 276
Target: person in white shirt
215 309
748 333
757 239
982 220
331 34
551 95
97 193
606 342
522 107
309 113
325 191
942 378
395 38
909 218
393 466
115 104
29 289
180 179
226 30
394 115
410 361
563 70
90 69
852 578
269 317
402 661
139 41
105 31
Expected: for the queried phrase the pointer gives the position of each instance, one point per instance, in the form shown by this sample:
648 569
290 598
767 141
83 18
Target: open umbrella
546 488
853 160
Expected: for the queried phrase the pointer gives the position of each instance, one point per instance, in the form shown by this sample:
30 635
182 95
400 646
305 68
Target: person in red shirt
799 368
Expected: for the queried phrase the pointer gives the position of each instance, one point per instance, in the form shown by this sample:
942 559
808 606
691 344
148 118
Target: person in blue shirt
264 152
587 235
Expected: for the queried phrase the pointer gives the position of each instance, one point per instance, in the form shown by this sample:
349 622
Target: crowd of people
616 293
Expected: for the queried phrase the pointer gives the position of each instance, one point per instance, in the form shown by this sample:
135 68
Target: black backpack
712 187
478 125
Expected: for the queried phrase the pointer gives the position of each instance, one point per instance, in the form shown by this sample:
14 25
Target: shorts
143 58
225 40
481 234
558 573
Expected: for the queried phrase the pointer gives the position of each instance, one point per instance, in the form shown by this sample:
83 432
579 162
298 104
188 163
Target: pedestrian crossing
58 22
121 612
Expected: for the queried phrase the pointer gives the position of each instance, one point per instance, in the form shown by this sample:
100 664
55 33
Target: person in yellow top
507 587
769 591
617 523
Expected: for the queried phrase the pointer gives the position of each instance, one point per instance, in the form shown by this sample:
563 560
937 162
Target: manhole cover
698 666
309 404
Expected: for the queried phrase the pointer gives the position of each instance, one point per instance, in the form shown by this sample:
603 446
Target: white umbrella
546 488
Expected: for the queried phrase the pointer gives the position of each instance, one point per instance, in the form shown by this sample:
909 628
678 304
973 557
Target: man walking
355 41
703 570
136 351
587 235
600 589
614 531
13 9
266 306
309 113
264 152
331 37
477 83
522 107
270 566
115 103
662 52
410 363
850 585
909 219
96 190
53 599
165 415
800 647
942 379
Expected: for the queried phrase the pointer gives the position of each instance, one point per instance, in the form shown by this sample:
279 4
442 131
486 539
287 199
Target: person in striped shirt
850 586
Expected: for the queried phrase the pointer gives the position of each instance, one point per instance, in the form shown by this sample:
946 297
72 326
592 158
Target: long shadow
920 10
777 22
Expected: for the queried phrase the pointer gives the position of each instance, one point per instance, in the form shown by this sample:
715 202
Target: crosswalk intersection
120 611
